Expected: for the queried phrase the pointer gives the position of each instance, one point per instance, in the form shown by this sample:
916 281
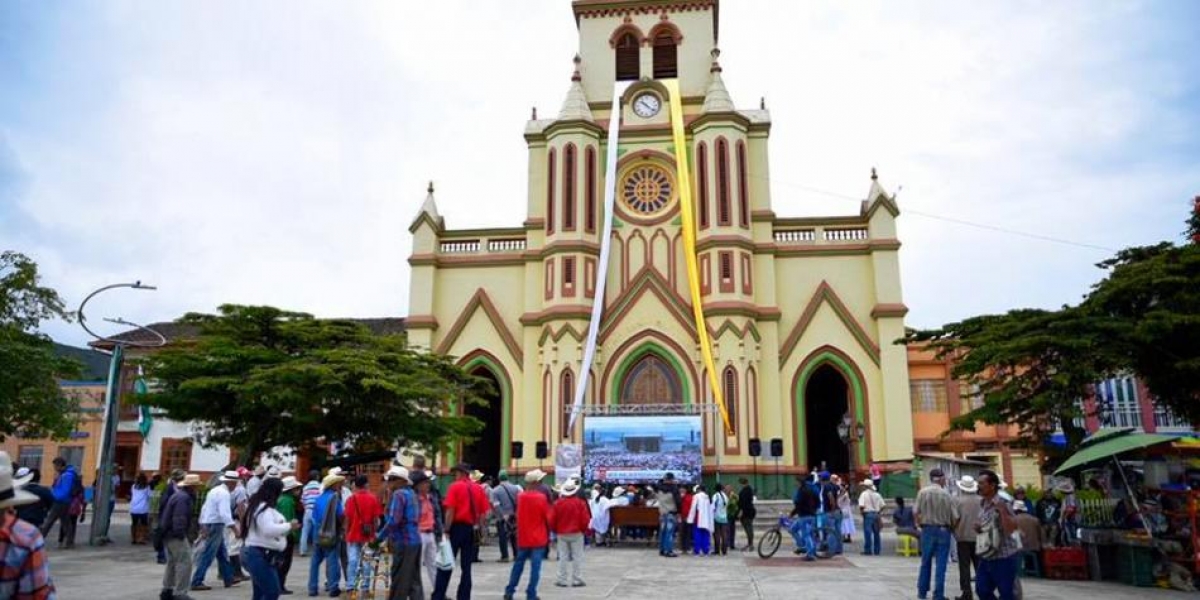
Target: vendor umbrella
1107 444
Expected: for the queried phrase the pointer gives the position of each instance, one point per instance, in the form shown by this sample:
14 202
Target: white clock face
646 105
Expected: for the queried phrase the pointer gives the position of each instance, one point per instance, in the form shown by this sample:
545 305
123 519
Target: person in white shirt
871 505
256 481
215 515
720 509
701 516
265 530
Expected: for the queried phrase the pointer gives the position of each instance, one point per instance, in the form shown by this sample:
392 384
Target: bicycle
769 543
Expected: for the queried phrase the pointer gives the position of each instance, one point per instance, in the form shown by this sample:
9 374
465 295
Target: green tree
258 377
1152 297
1031 367
31 401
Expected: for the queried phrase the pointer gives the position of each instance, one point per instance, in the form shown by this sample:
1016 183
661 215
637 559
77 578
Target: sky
276 152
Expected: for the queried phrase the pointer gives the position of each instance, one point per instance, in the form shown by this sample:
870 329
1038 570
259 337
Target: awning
1104 445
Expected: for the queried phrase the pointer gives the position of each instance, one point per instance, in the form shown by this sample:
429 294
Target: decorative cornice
741 309
747 329
572 311
883 202
885 310
566 329
535 223
443 261
762 216
648 281
421 322
825 294
481 300
435 224
707 242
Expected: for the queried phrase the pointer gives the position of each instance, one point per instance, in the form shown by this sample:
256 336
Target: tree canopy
31 402
259 377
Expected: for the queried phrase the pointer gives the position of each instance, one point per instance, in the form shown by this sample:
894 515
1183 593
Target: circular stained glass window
647 189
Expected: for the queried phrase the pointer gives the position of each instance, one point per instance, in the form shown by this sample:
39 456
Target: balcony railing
476 246
819 234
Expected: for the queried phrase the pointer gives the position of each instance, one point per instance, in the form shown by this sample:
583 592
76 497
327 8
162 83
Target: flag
141 389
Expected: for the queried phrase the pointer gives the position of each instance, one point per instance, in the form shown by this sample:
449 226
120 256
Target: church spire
876 190
716 98
428 212
575 107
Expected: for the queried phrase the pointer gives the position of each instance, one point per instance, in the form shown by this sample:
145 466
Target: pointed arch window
729 385
628 58
550 168
589 193
568 196
702 176
723 199
665 65
566 399
743 191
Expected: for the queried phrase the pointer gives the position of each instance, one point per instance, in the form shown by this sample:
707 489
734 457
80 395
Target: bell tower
644 39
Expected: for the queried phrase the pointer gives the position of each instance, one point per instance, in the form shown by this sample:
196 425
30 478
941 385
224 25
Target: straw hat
331 480
230 476
290 483
867 483
1065 486
967 484
190 480
1019 506
618 491
397 472
11 493
535 476
476 475
569 488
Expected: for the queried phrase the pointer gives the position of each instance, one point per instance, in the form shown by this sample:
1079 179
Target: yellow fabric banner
689 247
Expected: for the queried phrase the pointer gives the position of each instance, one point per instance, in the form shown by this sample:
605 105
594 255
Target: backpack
76 484
329 534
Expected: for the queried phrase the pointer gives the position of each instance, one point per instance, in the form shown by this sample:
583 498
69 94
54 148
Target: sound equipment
518 450
542 450
755 447
776 447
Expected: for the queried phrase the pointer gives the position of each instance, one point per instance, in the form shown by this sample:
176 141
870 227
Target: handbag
476 529
233 543
445 556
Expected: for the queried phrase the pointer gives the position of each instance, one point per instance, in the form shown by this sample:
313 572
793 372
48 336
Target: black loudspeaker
755 447
518 450
542 450
776 447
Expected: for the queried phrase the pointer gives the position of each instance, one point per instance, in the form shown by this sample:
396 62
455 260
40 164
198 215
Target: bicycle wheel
769 544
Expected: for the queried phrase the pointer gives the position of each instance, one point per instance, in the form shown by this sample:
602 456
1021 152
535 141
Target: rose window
647 189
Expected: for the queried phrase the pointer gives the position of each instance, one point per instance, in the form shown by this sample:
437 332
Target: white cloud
276 153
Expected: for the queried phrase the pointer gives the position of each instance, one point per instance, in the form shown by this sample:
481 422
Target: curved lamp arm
137 285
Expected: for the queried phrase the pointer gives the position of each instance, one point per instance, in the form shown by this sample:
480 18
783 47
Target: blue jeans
935 544
997 575
833 532
802 530
871 541
534 556
263 576
306 531
333 567
666 534
355 562
214 547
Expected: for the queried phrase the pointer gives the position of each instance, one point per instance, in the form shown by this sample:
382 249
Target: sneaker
578 584
671 555
201 588
335 593
809 559
560 584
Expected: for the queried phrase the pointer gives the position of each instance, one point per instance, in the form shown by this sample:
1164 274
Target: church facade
802 311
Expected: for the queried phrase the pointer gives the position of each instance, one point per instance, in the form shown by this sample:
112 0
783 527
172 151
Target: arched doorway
486 453
651 380
826 400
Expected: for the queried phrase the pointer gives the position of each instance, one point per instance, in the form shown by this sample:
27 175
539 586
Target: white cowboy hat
1019 506
569 488
290 483
230 476
397 472
273 472
11 493
190 480
868 483
534 476
331 480
967 484
1065 486
618 491
24 475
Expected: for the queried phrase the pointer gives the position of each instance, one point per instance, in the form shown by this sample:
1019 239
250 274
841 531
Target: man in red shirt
363 512
534 516
571 518
466 504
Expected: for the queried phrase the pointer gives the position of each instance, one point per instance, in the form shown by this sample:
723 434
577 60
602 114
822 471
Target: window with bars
665 66
1164 418
568 200
1117 402
550 167
30 457
176 454
725 268
971 396
568 276
743 190
589 194
566 399
702 175
723 200
928 395
628 59
730 389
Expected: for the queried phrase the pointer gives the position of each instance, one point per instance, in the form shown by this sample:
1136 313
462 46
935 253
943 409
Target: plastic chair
906 545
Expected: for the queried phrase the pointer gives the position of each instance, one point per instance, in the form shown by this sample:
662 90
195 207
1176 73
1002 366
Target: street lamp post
108 440
850 433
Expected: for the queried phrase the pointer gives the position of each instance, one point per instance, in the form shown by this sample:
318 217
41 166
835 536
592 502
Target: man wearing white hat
870 502
569 522
215 515
24 569
328 540
964 532
175 521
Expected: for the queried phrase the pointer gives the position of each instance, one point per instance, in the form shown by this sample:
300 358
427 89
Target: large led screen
637 449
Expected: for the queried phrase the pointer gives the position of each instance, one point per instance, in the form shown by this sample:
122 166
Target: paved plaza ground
634 571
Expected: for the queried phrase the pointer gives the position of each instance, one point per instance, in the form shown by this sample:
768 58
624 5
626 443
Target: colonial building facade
802 311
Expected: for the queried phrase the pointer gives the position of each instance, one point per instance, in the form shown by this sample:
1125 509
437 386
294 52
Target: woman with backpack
265 532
